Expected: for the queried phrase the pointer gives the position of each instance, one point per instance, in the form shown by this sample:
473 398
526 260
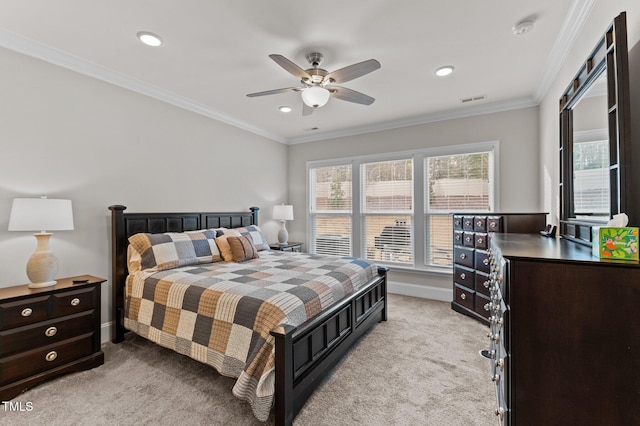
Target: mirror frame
611 56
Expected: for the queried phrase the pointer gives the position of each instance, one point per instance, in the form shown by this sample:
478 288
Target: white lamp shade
315 96
41 214
283 212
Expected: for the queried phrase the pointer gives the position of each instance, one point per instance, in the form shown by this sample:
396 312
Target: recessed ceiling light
444 71
150 39
522 27
285 108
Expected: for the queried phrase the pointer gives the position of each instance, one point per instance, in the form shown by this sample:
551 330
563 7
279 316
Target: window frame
419 205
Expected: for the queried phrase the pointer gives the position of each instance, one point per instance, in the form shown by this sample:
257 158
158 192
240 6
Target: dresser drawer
45 333
482 261
464 297
481 240
13 368
480 302
494 224
469 239
458 237
23 312
71 302
464 276
480 279
480 223
467 223
463 256
457 221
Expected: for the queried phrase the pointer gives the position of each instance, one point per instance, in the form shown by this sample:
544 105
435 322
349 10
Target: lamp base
42 266
283 235
41 285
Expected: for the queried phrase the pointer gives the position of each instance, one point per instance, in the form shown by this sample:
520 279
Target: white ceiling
216 51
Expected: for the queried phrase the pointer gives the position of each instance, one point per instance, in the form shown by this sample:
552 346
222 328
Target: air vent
473 99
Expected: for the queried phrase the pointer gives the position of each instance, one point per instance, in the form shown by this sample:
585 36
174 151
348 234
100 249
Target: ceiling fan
318 84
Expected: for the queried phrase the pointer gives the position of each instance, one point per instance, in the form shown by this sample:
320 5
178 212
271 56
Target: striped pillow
242 248
174 249
259 241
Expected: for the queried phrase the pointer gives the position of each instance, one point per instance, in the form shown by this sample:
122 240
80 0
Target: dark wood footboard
307 353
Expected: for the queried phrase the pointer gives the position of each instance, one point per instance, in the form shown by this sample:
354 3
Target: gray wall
66 135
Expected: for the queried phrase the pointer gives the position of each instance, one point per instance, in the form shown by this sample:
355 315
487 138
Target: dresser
564 335
48 331
471 241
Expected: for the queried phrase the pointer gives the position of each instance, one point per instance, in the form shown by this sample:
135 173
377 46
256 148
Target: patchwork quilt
221 313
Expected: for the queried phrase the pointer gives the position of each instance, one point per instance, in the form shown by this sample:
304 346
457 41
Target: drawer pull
50 332
463 296
468 223
492 224
479 223
457 237
457 223
468 239
480 240
26 312
75 301
463 276
463 256
486 262
51 356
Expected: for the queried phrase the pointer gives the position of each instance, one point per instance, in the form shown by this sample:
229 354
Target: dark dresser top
531 246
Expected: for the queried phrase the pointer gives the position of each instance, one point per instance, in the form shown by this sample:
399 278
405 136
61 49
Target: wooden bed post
254 212
118 272
284 375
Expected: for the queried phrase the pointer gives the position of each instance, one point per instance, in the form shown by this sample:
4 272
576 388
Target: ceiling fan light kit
318 84
315 96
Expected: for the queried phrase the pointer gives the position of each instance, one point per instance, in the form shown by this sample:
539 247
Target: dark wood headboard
124 225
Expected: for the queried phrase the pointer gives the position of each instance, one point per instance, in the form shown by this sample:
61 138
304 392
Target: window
396 208
387 210
454 183
331 209
591 189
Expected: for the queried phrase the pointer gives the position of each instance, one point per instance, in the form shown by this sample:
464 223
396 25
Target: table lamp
283 213
38 214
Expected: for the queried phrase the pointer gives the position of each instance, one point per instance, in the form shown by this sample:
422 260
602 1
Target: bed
300 345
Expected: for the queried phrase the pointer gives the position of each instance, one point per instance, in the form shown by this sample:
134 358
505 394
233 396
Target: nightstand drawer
45 333
71 302
26 364
23 312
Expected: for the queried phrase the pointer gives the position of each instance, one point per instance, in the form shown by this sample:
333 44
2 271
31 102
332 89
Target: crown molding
572 25
36 50
487 108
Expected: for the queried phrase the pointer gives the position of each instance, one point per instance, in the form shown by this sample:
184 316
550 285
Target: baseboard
423 291
105 332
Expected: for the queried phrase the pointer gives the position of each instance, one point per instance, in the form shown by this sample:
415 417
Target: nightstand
290 246
45 332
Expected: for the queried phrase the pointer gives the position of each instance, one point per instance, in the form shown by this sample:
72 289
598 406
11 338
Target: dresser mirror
595 138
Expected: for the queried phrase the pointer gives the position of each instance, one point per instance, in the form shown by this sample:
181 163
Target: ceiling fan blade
353 71
273 92
293 69
349 95
306 109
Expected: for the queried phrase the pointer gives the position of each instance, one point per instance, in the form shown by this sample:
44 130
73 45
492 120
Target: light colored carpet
421 367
